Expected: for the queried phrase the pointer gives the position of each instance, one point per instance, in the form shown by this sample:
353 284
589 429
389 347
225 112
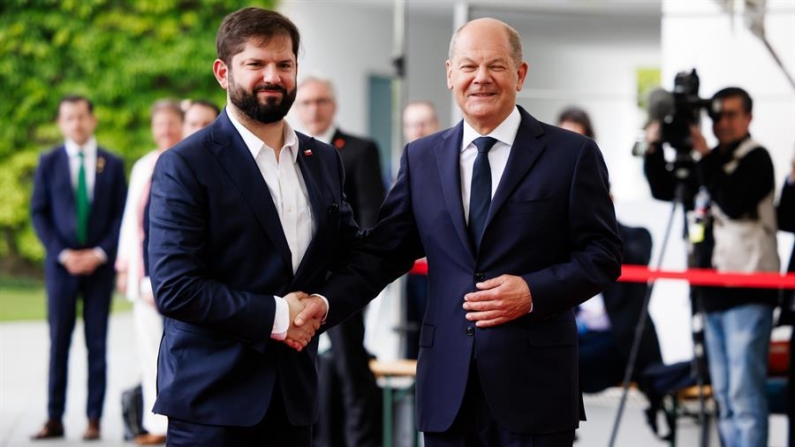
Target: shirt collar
255 145
327 135
504 133
89 148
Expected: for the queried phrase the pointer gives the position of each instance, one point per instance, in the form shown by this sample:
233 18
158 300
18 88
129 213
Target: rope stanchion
696 277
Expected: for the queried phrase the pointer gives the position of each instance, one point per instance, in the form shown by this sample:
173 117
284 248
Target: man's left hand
498 300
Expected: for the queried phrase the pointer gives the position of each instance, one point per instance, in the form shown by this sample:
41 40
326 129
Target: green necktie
83 204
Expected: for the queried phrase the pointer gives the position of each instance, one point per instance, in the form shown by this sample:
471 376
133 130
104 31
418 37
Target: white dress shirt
327 135
90 165
89 160
505 134
593 315
288 191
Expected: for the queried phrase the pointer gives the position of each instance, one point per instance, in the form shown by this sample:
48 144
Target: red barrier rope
696 277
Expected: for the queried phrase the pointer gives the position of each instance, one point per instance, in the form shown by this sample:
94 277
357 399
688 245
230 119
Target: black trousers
63 291
474 426
350 402
275 430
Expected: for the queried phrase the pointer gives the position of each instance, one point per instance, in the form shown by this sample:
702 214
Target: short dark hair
256 23
579 116
75 99
735 92
206 103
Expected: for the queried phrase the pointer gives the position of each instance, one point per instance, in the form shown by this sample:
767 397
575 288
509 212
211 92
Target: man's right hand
298 336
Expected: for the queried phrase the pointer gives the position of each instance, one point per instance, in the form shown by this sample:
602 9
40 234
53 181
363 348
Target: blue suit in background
217 256
551 221
54 218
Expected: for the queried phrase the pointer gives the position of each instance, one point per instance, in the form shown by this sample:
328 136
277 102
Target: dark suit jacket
624 302
551 221
786 222
54 212
217 255
364 184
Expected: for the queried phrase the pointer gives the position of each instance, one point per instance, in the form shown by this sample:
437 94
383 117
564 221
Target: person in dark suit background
350 399
786 222
516 221
316 107
613 315
605 350
77 204
419 120
242 213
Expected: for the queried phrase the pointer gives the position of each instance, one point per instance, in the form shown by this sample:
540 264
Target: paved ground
23 374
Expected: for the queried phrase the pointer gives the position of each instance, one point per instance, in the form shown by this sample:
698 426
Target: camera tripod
699 369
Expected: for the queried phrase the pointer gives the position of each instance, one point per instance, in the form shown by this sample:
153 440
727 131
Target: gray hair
319 78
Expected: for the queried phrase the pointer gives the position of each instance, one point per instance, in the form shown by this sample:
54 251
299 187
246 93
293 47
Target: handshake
306 314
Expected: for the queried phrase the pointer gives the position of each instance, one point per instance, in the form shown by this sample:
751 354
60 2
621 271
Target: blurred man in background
132 280
77 204
732 188
198 115
419 120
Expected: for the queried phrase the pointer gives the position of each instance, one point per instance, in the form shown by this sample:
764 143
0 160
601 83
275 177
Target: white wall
345 43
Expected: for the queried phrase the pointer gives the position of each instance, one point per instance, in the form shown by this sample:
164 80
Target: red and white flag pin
308 152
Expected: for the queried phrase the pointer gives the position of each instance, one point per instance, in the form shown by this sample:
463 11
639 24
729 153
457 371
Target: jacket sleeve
596 249
178 250
786 208
369 185
42 210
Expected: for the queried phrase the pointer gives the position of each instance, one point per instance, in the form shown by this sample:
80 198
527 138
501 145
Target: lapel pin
308 152
100 165
339 143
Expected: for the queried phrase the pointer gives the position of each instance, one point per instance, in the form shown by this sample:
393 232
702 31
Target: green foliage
123 55
26 300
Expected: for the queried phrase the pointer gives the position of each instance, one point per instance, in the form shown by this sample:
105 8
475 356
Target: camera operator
736 178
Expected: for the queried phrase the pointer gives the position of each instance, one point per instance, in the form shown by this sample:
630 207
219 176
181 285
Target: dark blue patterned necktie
480 193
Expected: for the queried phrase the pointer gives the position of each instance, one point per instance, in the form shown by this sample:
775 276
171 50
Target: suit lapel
235 158
63 183
310 171
101 179
524 153
448 157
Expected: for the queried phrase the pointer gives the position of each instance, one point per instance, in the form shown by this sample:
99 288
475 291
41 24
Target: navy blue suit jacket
54 211
217 256
551 221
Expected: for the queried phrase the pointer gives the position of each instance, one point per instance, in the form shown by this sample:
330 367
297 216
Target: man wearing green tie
76 206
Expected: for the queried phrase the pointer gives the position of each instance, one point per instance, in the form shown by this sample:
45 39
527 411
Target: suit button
470 330
480 276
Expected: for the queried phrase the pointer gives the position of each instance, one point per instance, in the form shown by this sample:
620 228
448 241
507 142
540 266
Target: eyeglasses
320 102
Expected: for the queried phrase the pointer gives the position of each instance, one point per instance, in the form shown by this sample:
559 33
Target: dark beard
271 111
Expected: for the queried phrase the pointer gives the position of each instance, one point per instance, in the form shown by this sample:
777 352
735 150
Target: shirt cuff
327 306
62 256
145 286
281 319
100 253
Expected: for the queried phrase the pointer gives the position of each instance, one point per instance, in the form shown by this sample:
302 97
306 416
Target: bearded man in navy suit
518 229
77 205
242 213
